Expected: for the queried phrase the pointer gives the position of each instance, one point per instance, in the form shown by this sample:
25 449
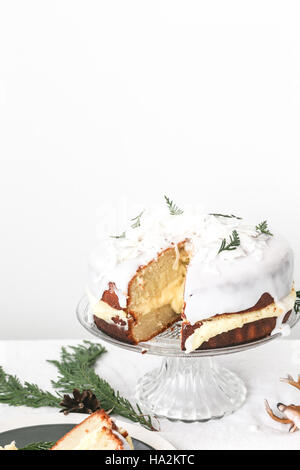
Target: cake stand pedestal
189 389
186 387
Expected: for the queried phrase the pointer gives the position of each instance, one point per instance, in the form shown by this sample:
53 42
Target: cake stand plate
187 386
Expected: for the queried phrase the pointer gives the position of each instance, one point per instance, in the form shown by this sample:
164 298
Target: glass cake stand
186 387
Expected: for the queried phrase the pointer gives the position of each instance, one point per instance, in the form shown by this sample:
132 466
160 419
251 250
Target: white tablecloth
249 427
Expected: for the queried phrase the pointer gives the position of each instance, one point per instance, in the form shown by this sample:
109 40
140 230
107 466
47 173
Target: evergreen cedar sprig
263 228
297 303
13 393
231 216
174 210
233 243
38 446
75 369
137 220
76 373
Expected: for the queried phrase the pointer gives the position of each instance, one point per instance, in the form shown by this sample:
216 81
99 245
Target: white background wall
101 100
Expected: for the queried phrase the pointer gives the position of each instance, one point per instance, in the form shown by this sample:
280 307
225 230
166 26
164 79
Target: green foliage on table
75 370
14 393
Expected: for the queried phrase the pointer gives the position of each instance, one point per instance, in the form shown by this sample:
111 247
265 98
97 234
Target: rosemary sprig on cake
234 242
75 369
263 228
231 216
173 209
137 220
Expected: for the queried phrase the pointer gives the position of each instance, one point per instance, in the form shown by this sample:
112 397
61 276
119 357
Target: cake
11 446
97 432
227 281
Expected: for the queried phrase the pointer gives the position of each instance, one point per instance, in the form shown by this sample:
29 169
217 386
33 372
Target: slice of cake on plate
97 432
11 446
228 281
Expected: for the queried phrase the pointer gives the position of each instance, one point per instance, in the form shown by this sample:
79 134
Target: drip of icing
230 281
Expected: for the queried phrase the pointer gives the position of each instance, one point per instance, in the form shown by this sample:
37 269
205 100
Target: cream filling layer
171 295
216 325
104 311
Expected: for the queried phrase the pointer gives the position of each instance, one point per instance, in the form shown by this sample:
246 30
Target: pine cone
85 402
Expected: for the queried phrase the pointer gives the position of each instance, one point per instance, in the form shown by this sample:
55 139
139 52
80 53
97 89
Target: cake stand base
190 389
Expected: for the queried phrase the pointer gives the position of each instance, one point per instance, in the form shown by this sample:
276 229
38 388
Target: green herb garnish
233 243
137 220
231 216
174 210
263 228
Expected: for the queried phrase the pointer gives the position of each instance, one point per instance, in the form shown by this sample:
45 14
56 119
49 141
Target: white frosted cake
227 281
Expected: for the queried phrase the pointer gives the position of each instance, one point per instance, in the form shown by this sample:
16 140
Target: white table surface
249 427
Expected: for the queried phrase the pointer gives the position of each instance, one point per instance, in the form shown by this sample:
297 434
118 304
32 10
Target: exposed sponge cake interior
97 432
156 293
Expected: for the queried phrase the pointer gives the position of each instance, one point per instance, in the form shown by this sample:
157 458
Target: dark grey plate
49 433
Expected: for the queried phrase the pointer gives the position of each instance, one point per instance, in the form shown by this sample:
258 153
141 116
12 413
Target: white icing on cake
233 285
227 282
